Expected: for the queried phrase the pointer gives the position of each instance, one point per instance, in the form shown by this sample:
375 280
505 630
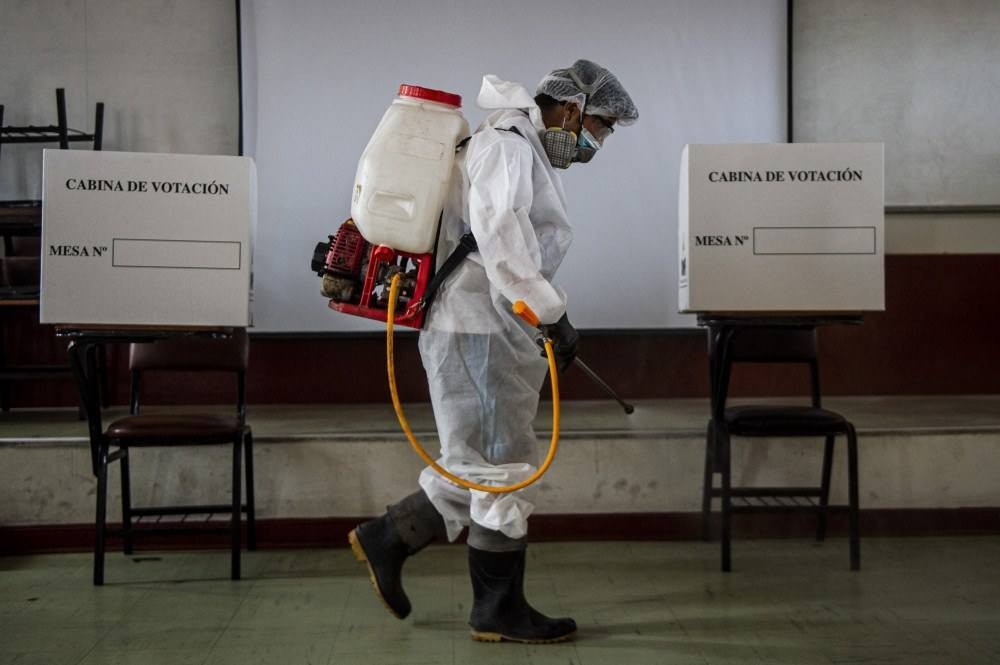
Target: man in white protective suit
484 369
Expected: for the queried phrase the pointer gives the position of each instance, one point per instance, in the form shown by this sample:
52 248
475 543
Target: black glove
564 340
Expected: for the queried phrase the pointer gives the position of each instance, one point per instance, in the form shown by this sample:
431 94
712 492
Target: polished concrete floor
917 600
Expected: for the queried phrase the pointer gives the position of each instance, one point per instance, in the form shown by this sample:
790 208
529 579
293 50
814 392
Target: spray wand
523 311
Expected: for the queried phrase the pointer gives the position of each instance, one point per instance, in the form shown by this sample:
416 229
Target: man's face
599 127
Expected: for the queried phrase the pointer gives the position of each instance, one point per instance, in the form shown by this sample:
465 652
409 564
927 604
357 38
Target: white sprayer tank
405 170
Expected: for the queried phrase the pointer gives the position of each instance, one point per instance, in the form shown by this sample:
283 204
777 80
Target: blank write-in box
817 240
191 254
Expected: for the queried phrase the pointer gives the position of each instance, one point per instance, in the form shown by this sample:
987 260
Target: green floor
918 600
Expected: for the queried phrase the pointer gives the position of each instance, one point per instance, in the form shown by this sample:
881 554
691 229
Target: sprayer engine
356 277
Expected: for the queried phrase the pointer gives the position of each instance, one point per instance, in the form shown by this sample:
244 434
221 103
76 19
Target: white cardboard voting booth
781 228
146 239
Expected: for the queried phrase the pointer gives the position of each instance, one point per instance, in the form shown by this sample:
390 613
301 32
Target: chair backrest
25 246
24 271
766 344
774 345
192 354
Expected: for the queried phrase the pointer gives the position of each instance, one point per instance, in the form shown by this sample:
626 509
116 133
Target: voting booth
781 228
146 239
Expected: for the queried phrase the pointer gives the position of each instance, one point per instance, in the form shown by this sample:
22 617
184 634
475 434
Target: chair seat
783 421
175 429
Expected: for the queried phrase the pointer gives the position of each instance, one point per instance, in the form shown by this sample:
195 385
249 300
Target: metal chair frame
107 448
724 352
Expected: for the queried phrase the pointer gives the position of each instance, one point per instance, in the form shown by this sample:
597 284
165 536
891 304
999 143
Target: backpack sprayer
380 263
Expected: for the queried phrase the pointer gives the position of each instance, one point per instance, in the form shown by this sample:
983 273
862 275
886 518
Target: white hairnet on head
605 94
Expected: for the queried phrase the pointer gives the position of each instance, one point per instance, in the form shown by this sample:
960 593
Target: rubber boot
383 545
499 609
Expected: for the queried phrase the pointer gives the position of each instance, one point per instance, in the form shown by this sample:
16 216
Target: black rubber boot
383 545
500 611
377 544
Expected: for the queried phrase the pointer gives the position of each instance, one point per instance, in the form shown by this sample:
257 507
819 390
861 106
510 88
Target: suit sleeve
500 196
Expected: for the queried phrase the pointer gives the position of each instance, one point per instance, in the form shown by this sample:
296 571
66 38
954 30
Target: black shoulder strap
464 142
466 244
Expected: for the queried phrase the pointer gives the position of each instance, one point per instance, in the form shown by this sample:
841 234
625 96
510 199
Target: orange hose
524 312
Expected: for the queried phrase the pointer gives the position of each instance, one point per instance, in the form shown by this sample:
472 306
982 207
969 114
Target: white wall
952 233
920 76
165 70
700 71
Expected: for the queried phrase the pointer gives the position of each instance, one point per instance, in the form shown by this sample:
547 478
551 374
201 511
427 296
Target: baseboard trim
332 531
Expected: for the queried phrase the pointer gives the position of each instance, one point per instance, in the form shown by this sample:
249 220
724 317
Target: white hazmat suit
483 367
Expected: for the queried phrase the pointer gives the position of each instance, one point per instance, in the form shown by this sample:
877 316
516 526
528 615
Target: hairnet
605 94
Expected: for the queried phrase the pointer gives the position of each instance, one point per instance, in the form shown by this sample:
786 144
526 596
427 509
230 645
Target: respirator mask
563 147
560 146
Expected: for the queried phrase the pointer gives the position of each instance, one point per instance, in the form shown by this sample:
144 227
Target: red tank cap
430 95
